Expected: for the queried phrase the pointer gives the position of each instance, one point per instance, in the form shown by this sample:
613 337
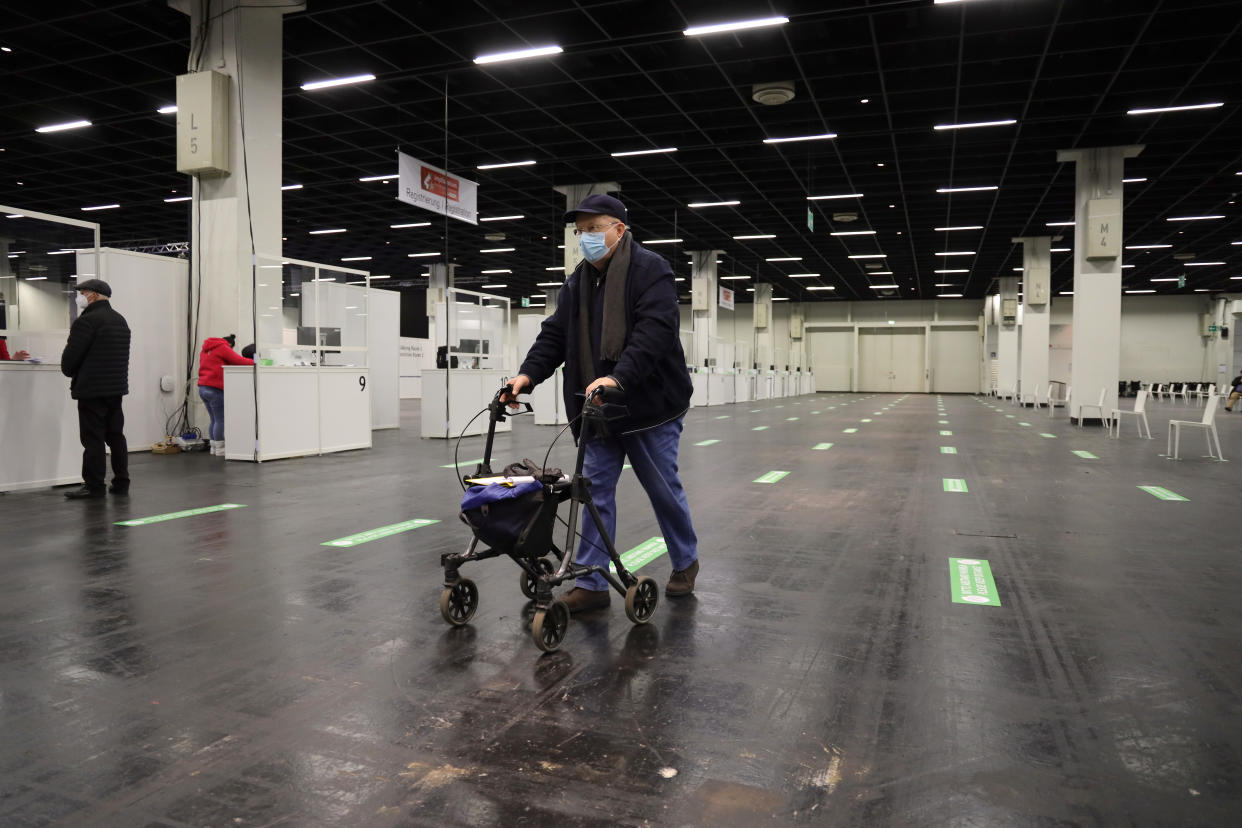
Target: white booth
472 336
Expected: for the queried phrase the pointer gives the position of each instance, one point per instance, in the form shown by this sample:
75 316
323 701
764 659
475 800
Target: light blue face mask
593 246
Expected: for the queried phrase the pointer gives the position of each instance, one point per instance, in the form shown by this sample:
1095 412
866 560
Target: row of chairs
1183 390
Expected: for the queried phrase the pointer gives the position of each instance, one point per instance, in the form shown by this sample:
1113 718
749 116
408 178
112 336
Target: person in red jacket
4 353
217 353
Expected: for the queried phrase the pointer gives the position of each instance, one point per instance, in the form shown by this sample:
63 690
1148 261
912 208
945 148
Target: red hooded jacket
216 354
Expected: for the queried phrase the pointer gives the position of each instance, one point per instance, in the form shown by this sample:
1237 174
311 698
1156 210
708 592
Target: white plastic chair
1139 413
1157 390
1181 390
1099 406
1053 403
1196 392
1202 393
1029 398
1013 394
1208 424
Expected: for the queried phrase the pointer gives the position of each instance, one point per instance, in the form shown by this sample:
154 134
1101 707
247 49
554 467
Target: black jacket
652 369
96 357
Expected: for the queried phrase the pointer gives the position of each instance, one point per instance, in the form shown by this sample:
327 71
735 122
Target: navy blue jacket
652 369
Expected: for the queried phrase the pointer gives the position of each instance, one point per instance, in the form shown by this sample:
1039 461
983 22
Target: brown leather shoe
681 582
585 600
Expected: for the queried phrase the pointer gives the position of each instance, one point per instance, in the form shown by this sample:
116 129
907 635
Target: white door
832 354
891 359
955 360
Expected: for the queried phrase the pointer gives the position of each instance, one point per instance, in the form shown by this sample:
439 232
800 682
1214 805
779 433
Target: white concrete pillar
703 305
1036 312
1007 336
1096 355
765 328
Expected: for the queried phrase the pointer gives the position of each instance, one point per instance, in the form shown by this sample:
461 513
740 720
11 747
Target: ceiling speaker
774 93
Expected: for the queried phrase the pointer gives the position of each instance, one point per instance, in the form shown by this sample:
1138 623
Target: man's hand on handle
602 382
517 385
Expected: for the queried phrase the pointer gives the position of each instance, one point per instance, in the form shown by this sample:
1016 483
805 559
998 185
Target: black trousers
101 423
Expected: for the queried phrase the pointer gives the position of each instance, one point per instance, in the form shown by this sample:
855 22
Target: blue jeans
213 398
653 455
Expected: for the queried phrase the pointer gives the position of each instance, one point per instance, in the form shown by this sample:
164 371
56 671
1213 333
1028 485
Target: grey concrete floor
230 669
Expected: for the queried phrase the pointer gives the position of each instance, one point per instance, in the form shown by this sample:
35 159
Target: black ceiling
629 79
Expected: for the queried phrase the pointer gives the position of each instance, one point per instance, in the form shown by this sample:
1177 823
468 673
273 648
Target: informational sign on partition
726 297
432 188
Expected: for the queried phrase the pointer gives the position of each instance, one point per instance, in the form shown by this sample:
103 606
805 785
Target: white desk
303 410
468 392
39 443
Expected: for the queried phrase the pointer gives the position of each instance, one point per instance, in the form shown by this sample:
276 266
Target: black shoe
84 493
119 488
585 600
681 582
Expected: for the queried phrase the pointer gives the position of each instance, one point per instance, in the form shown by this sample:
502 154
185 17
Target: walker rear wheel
459 602
549 626
641 600
544 567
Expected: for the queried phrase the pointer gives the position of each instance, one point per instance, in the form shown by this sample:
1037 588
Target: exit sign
1213 328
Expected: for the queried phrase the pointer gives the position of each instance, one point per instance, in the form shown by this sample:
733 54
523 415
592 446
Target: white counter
303 410
469 392
39 443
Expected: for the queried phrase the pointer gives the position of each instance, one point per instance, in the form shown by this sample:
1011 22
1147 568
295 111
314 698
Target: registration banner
431 188
726 297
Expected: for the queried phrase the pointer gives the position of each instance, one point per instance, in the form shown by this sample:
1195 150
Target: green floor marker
1027 425
948 450
1086 455
626 466
707 443
1163 493
814 412
760 428
463 464
205 510
1046 434
771 477
790 419
641 555
971 582
850 431
723 417
946 434
755 410
943 422
955 484
1011 416
822 446
865 420
382 532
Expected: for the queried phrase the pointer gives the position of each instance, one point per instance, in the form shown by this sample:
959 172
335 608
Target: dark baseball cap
95 286
599 205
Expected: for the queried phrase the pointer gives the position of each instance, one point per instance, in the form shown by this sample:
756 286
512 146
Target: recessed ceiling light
491 287
1007 122
823 137
549 284
662 241
1019 269
948 296
945 284
498 250
629 153
1193 218
291 186
420 255
883 287
1157 110
413 224
1058 250
325 84
959 227
1058 224
954 270
879 163
853 233
965 189
1123 267
799 258
868 256
167 110
58 252
717 28
1166 279
100 207
378 177
504 164
831 197
355 258
733 278
1146 246
5 49
35 278
493 272
519 54
502 218
373 278
864 100
820 287
756 236
1140 291
803 275
64 126
556 267
1133 180
177 198
326 232
1202 264
956 253
697 204
780 298
879 273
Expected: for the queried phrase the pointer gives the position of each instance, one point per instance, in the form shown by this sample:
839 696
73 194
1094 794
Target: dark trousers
100 423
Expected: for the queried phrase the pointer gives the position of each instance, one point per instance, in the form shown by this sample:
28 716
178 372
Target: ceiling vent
1183 257
873 265
774 93
494 236
845 216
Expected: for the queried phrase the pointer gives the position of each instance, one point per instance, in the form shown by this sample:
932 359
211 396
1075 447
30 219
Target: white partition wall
384 336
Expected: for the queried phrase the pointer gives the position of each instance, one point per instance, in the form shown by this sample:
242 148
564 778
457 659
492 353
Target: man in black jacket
616 325
96 359
1235 391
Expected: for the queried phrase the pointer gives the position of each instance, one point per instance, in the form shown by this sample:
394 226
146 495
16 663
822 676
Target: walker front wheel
550 626
459 602
641 600
544 567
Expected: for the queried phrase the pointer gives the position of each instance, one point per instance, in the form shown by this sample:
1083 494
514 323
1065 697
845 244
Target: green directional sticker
1028 425
814 412
382 532
942 422
205 510
641 555
626 466
463 464
760 428
790 419
946 434
850 431
971 582
822 446
1011 416
955 484
771 477
948 450
723 417
1086 455
707 442
1046 434
865 420
1163 493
